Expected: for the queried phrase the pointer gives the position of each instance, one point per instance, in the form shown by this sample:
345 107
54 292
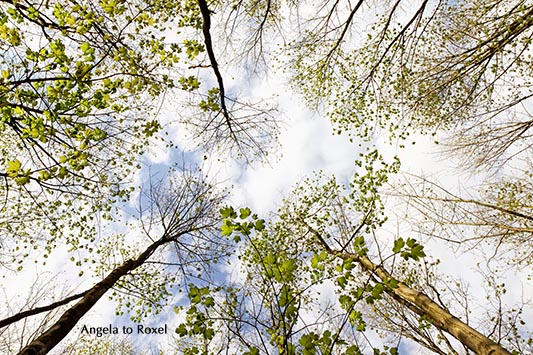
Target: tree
405 284
498 215
81 87
458 70
313 241
76 81
184 210
248 127
274 308
432 67
17 330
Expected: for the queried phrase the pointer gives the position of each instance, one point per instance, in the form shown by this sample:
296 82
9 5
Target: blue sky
306 145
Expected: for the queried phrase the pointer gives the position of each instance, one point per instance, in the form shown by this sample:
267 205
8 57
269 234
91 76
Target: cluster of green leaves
419 72
211 103
278 266
197 322
77 86
265 312
409 249
240 228
207 314
157 290
339 222
84 68
337 210
313 343
286 272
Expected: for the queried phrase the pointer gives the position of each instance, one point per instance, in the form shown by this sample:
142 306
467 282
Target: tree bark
438 316
51 337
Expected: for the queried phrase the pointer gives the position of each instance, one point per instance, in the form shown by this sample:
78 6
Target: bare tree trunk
423 305
182 205
50 338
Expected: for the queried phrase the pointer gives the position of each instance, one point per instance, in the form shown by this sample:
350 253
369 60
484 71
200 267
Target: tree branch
206 15
32 312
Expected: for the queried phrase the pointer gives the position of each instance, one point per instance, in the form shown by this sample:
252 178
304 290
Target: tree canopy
347 266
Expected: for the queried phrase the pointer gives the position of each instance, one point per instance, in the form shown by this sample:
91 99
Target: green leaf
209 302
226 230
181 330
398 245
314 261
259 225
348 264
209 333
85 47
355 317
308 341
352 350
377 290
13 168
393 283
194 295
360 327
289 266
245 212
227 212
341 281
418 252
22 180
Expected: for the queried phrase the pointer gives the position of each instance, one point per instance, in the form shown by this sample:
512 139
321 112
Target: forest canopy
133 133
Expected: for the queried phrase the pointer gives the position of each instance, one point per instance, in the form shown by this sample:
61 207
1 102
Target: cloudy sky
306 145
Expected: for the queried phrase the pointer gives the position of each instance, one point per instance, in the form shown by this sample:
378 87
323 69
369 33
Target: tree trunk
437 315
51 337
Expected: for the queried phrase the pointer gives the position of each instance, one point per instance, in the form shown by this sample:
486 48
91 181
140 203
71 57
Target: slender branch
206 15
347 25
32 312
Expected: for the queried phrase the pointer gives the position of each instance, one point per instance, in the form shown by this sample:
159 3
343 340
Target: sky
306 145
